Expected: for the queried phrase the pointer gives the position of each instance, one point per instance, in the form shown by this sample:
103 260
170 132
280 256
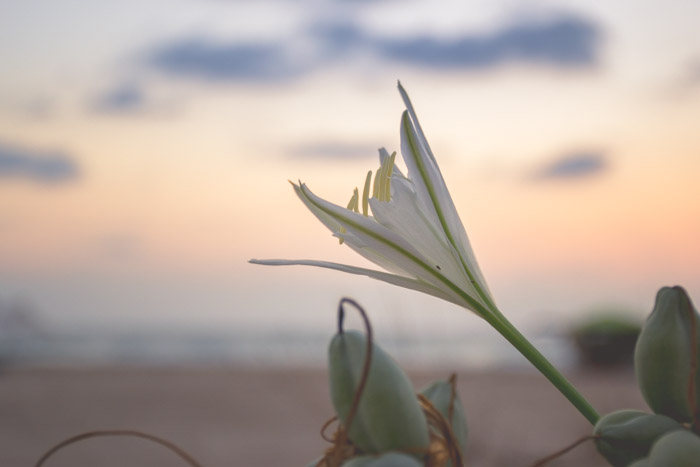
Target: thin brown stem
342 438
132 433
561 452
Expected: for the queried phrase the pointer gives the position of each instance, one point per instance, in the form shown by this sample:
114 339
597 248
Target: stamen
365 194
382 179
389 172
377 178
352 205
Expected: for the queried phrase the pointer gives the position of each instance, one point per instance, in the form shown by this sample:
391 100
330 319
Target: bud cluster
666 365
383 422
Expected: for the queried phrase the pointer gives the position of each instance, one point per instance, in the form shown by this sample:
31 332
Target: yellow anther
377 177
353 204
382 179
365 194
387 175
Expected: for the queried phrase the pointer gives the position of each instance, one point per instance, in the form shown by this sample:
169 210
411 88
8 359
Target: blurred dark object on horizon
19 322
606 339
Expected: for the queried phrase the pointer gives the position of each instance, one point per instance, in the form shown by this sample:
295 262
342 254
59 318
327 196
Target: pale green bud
627 435
389 416
667 354
390 459
677 449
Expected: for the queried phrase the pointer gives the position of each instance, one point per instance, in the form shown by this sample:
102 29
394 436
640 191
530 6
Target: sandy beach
254 417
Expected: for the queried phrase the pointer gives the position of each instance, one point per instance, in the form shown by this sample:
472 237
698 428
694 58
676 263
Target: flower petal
404 216
432 191
393 279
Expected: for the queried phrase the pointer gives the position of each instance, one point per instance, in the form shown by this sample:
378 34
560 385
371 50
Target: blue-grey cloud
124 98
200 58
574 165
340 37
334 150
48 167
561 42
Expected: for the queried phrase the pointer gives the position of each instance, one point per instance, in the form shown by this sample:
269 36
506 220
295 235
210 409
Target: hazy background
145 149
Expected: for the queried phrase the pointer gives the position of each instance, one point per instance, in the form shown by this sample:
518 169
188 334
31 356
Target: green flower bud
627 435
390 459
388 416
667 354
440 395
677 449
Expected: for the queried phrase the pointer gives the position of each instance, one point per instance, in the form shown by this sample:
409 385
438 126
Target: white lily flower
413 232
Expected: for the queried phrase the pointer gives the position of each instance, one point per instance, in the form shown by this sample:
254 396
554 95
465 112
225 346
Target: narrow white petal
332 224
419 134
433 193
393 279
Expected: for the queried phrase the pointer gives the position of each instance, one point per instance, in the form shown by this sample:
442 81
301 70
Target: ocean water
265 349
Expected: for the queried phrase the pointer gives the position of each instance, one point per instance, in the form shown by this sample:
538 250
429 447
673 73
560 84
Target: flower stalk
530 352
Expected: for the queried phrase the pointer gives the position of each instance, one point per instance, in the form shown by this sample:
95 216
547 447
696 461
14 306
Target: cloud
339 36
560 42
203 59
126 97
334 150
575 165
48 167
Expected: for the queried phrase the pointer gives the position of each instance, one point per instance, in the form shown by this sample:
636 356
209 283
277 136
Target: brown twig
453 396
342 438
443 444
561 452
103 433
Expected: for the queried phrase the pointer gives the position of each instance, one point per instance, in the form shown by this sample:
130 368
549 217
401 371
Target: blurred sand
250 417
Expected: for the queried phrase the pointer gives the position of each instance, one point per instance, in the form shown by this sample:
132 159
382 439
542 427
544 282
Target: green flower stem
512 335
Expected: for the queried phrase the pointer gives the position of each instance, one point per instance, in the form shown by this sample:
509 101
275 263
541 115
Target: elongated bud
666 356
388 416
390 459
677 449
628 435
444 397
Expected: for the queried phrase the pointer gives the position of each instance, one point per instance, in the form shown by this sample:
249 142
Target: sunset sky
145 149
